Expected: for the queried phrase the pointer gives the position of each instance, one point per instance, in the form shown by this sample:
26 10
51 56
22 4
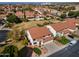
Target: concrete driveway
70 51
52 48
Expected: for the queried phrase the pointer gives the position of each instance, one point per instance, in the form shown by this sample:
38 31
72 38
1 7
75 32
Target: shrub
25 42
13 19
45 23
63 40
11 50
39 25
37 51
63 16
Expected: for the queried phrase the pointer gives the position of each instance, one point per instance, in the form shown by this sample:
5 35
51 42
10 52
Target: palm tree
23 11
11 50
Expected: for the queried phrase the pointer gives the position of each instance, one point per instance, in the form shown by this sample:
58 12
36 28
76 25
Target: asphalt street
69 51
3 35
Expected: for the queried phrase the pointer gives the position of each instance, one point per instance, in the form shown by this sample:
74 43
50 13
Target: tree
72 7
45 18
11 50
25 41
71 14
23 10
22 32
63 16
13 18
76 13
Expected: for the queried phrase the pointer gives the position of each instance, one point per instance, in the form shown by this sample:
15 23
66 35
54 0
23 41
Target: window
35 42
34 39
43 36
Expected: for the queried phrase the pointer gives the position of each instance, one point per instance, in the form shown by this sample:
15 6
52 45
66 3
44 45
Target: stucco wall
51 30
29 37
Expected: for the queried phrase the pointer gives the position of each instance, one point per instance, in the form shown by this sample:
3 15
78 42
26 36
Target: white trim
29 37
71 30
51 29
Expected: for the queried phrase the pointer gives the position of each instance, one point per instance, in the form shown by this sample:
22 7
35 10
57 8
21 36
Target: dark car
70 36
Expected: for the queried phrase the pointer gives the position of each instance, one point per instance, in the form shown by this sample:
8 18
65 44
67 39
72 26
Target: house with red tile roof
39 35
31 15
19 14
61 28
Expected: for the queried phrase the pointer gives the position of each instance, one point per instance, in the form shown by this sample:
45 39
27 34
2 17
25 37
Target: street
3 35
70 51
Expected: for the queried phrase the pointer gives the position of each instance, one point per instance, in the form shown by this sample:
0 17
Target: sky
24 2
39 0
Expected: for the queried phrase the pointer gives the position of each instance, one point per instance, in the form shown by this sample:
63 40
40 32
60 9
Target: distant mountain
40 3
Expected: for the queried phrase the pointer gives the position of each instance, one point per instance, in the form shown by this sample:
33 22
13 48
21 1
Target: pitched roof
39 32
19 13
64 25
29 14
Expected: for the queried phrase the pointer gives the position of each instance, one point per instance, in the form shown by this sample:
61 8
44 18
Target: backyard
26 25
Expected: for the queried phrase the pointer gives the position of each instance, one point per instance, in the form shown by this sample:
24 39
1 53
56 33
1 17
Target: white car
73 42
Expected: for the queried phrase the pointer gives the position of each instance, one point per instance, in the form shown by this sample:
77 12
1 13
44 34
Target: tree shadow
25 52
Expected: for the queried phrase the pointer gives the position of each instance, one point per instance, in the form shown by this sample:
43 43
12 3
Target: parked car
70 36
73 42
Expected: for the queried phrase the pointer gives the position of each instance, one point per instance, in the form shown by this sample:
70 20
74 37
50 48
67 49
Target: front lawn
63 40
37 51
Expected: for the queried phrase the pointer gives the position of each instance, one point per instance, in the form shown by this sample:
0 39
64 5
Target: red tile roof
65 31
39 32
71 24
29 14
19 13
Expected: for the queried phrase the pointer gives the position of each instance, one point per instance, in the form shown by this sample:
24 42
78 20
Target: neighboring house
19 14
63 28
29 14
39 35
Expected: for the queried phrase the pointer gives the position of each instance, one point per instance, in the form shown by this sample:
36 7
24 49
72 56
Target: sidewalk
52 48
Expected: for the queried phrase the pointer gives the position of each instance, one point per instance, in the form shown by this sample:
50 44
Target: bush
39 25
11 50
71 13
45 23
45 18
25 42
63 16
13 19
37 51
63 40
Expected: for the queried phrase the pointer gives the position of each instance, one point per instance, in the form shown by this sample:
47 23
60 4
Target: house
63 28
39 35
19 14
29 14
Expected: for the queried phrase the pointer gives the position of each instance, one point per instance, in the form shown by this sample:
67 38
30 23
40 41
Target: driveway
52 48
70 51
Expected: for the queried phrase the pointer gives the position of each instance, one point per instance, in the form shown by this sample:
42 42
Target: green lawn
63 40
37 51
